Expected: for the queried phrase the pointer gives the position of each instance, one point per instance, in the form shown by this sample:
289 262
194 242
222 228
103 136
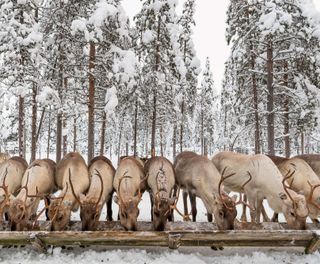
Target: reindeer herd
291 186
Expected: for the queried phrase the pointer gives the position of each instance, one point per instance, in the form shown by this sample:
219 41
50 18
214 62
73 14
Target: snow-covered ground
161 256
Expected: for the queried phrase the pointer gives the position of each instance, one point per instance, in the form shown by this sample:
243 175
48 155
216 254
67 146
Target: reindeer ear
116 199
283 196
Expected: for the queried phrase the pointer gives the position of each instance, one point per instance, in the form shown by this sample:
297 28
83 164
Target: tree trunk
270 97
302 143
135 131
255 104
91 102
202 134
153 129
74 134
161 141
59 137
103 134
286 115
154 114
34 124
65 136
174 142
21 126
49 135
181 126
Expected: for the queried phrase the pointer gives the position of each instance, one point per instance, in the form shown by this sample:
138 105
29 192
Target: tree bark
255 104
103 134
59 137
49 135
65 136
174 142
34 124
181 126
91 102
154 114
270 97
302 143
21 126
286 115
135 131
202 134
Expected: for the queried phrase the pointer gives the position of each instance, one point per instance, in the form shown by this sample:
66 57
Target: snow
111 100
154 256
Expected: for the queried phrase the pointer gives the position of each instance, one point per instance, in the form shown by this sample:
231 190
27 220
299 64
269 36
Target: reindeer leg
209 217
192 198
151 201
275 217
185 204
253 214
315 221
258 210
244 209
109 208
47 201
6 216
264 214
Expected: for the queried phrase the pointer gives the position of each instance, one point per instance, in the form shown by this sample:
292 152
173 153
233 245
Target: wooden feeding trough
177 234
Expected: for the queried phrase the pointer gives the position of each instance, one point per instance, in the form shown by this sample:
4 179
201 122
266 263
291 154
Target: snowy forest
78 75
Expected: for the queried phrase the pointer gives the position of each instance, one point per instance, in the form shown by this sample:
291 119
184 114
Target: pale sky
209 33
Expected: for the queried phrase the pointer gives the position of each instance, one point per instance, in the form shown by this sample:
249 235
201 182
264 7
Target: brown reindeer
161 182
37 182
267 182
129 183
11 173
71 168
197 176
101 173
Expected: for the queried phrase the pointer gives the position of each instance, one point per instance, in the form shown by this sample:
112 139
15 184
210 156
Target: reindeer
4 157
197 176
313 160
101 173
266 182
304 180
11 173
71 168
37 182
161 182
129 183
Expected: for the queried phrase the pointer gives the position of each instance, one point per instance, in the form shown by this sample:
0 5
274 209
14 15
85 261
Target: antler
46 206
57 198
289 175
72 189
240 199
101 192
311 194
223 178
4 186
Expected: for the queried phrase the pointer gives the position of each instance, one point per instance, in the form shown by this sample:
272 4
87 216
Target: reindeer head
5 197
161 211
59 213
90 209
295 208
21 210
128 207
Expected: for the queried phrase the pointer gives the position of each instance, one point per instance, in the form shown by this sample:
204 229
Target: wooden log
187 234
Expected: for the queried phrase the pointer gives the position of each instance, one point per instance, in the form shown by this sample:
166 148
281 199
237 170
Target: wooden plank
177 234
314 244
